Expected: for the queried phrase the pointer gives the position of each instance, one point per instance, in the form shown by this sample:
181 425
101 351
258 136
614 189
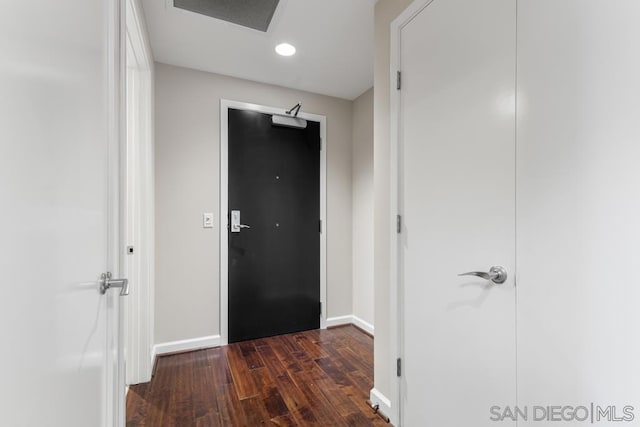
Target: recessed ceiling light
285 49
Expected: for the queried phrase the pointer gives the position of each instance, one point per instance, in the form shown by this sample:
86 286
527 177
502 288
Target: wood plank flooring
313 378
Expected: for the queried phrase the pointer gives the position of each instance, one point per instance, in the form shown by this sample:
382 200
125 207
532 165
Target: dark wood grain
312 378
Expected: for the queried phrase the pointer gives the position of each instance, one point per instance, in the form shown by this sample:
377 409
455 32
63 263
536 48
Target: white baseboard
153 360
339 321
365 326
186 345
384 404
350 320
215 340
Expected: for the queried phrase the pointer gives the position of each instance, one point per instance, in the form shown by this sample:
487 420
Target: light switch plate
207 220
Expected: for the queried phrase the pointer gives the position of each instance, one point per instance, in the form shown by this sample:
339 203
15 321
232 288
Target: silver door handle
235 222
496 274
106 283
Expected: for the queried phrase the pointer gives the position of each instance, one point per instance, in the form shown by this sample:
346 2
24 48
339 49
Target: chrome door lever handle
482 274
235 222
497 274
106 283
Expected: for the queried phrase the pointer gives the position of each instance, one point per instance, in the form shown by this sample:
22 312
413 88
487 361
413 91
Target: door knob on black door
235 222
496 274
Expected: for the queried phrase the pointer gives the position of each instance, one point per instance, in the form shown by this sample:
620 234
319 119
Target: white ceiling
333 38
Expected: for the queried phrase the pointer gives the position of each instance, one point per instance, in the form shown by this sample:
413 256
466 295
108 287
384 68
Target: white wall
362 206
386 11
187 184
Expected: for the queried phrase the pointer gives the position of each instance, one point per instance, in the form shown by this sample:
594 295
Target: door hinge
398 80
398 366
320 144
320 225
399 224
320 309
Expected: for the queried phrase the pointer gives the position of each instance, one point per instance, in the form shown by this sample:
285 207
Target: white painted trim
137 34
339 321
154 356
395 286
350 319
139 202
363 324
186 345
224 201
114 404
224 223
377 398
323 215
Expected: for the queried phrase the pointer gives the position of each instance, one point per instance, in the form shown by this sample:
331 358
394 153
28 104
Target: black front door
274 263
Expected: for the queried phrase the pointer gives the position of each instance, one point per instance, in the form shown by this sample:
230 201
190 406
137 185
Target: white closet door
578 212
457 199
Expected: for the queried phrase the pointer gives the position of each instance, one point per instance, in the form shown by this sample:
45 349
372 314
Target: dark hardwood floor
320 378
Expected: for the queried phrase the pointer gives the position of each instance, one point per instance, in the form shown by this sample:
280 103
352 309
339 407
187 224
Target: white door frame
224 201
138 211
395 284
115 393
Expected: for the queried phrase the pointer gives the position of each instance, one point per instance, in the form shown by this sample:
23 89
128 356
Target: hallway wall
362 206
187 185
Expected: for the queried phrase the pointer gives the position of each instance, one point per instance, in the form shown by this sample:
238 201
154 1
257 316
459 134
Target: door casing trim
225 104
139 316
114 375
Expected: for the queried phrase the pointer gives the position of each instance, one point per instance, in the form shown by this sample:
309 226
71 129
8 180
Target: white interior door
58 216
578 180
457 201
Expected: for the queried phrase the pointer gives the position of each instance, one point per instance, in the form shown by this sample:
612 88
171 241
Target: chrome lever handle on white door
106 283
497 274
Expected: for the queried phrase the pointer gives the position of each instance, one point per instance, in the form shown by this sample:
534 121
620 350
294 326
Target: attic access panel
256 14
